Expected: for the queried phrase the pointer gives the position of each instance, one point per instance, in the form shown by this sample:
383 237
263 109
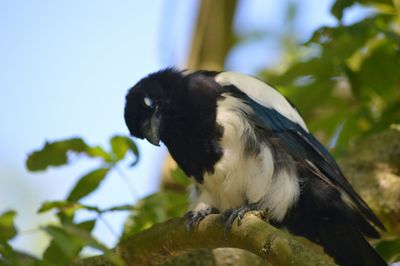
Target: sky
65 67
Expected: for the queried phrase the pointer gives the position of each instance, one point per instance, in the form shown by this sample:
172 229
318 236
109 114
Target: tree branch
153 246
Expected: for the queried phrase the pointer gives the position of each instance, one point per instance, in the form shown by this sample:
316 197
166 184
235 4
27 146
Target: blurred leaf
355 61
9 257
389 249
87 184
54 153
68 241
340 5
87 226
120 145
99 152
67 207
156 208
354 78
380 81
179 177
63 248
7 227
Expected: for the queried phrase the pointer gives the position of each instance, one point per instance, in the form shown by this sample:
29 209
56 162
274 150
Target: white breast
238 178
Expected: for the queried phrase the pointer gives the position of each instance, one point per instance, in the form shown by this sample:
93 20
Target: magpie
247 148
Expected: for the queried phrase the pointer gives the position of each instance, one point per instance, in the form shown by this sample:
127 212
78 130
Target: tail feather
348 246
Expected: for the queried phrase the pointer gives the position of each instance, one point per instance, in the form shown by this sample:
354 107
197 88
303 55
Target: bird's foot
231 214
193 218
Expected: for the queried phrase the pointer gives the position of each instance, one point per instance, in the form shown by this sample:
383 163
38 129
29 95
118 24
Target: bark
213 35
373 168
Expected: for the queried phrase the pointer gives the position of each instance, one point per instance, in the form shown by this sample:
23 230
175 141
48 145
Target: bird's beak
151 128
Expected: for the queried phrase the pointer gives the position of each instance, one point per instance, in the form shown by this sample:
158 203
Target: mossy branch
155 245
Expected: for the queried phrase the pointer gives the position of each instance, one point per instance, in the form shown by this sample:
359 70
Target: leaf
179 177
9 256
67 207
88 184
99 152
389 249
339 6
69 240
62 249
65 246
120 145
380 81
156 208
7 227
54 154
87 226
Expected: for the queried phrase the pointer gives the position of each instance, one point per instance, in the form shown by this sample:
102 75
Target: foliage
346 84
348 81
70 237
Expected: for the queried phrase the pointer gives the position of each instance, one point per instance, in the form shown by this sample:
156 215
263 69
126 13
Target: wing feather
304 148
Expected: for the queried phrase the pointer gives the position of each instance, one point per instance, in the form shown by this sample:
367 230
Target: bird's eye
148 102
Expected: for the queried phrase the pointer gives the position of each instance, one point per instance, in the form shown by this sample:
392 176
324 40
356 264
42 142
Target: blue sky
64 70
65 67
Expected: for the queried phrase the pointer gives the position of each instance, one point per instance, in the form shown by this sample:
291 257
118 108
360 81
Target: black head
145 103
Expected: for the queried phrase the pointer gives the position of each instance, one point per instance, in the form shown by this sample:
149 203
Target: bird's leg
231 214
195 216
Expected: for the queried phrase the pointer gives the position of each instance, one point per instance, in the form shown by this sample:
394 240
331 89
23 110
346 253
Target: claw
195 217
231 214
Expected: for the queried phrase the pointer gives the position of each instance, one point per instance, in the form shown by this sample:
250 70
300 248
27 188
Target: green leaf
65 246
87 184
54 154
62 249
156 208
179 177
69 240
99 152
353 78
9 256
66 207
87 226
340 5
120 145
7 227
389 249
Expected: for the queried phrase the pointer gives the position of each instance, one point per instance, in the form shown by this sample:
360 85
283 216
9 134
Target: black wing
311 154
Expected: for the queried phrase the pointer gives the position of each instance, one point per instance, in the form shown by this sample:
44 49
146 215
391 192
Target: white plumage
240 178
261 93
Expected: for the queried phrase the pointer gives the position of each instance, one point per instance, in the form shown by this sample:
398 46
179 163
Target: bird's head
146 101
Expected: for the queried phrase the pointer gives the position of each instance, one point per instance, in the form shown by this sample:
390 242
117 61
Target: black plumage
248 148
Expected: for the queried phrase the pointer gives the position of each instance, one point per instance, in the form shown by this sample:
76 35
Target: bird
247 148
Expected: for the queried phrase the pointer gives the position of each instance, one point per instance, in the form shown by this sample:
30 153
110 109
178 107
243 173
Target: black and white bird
248 148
